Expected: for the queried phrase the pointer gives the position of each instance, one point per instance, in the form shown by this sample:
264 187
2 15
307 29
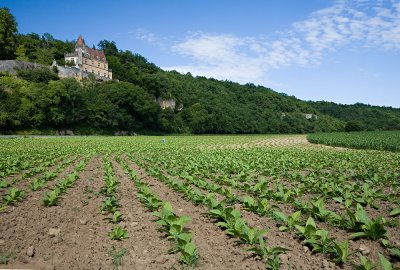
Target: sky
345 51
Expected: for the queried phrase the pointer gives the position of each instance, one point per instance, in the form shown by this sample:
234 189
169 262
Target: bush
353 126
42 75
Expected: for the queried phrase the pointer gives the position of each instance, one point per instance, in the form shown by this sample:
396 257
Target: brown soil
299 254
25 183
28 224
82 242
16 180
148 248
215 248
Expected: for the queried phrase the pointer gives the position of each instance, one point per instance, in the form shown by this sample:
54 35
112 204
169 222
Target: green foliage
8 30
290 221
341 251
14 195
6 256
51 198
110 205
353 126
395 212
36 184
42 75
203 106
115 218
365 227
382 140
260 207
366 264
21 53
117 233
117 256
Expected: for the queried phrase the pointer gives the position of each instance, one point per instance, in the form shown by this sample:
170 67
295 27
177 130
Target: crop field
201 202
377 140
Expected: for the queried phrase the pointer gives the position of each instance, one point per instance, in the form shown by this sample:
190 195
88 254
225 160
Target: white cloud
248 59
221 56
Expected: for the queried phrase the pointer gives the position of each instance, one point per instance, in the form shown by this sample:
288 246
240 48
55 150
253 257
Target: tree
8 30
21 53
353 125
40 75
109 47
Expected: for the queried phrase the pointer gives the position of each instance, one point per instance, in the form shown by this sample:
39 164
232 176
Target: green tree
8 30
41 75
44 56
353 125
21 53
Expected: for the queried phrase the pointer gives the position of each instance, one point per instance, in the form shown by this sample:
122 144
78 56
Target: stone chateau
89 60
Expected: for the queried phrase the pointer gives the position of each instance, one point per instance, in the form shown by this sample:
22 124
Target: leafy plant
115 218
169 222
395 212
321 242
117 233
261 249
318 211
341 252
187 248
109 204
4 184
36 184
261 207
365 264
290 221
308 231
14 195
117 256
51 198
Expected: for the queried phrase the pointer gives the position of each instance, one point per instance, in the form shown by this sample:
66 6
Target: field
377 140
202 202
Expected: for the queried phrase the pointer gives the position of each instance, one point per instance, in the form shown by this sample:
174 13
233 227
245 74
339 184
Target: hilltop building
89 60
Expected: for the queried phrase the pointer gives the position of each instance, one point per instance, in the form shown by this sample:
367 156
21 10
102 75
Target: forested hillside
38 100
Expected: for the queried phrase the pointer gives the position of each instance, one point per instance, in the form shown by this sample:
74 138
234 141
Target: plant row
318 240
52 197
170 223
228 219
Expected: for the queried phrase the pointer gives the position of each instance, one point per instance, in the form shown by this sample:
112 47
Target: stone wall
73 72
11 66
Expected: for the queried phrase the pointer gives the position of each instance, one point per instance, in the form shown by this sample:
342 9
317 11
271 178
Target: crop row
170 223
52 197
318 240
378 140
227 218
15 194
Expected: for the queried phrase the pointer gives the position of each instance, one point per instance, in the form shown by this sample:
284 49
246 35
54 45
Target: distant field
202 202
376 140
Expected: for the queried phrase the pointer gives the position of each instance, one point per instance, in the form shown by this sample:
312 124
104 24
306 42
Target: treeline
39 100
103 108
359 117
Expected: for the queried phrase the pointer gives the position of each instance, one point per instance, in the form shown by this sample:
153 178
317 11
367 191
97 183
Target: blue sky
340 50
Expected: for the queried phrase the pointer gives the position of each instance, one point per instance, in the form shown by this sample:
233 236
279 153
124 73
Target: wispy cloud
149 37
247 59
143 34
